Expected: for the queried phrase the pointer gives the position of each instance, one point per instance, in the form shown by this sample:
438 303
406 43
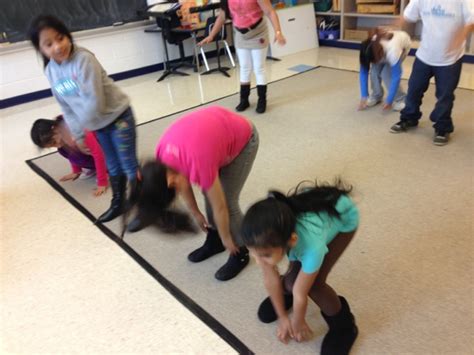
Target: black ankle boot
266 311
118 184
140 222
342 331
235 264
212 246
262 98
244 98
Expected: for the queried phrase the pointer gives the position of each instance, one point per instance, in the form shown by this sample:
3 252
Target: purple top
78 158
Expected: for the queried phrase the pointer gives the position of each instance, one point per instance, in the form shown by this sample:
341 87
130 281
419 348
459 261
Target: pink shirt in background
244 13
202 142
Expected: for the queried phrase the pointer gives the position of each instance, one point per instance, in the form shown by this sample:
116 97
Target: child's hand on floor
71 176
284 330
362 105
387 107
100 190
301 330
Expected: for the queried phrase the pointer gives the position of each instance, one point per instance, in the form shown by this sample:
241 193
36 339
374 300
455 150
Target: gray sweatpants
233 177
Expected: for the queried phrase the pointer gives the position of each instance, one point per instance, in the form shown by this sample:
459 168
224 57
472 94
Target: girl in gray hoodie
89 100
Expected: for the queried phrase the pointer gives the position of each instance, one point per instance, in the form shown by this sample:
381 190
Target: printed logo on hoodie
66 87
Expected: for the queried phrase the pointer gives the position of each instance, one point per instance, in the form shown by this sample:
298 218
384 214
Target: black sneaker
441 138
266 312
234 265
403 126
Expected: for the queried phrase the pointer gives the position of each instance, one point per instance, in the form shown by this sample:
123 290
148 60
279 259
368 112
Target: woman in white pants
251 41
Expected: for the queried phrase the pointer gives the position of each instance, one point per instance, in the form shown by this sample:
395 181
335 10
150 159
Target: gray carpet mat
407 274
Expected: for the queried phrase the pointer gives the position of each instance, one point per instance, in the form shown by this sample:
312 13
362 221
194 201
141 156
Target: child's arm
92 88
301 289
76 171
188 195
394 83
364 86
72 121
460 37
99 162
220 213
411 13
273 284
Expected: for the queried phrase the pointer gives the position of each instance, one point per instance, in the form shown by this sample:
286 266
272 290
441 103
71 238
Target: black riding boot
118 184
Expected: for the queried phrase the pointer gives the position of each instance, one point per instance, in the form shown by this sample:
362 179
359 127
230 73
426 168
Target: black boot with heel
118 184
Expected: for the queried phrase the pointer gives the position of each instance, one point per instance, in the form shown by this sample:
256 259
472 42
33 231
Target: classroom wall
117 49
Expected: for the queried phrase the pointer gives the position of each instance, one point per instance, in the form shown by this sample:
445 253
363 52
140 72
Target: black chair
167 22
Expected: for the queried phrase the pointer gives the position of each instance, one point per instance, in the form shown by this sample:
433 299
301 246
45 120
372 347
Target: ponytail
270 222
154 199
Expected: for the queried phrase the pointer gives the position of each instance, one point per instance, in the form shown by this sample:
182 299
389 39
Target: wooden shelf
356 14
328 13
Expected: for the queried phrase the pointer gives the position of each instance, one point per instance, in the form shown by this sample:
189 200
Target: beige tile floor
65 287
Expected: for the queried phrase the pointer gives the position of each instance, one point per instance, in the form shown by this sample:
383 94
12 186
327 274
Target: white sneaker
371 102
86 174
398 106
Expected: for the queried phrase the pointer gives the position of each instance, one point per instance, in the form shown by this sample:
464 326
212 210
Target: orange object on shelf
188 20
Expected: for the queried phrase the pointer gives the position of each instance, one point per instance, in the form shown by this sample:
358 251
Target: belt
245 30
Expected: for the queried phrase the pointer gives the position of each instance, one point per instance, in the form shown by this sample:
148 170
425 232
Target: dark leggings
321 293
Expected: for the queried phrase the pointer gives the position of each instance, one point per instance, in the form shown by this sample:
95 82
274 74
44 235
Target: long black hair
270 222
371 50
155 199
47 21
42 131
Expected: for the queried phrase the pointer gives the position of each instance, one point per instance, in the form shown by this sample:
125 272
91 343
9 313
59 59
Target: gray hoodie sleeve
73 122
92 89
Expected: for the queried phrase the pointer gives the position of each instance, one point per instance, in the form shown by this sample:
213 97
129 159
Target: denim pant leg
123 137
387 80
446 79
111 158
418 83
376 81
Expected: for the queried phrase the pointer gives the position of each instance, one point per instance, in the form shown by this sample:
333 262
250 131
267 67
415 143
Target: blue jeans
446 80
383 72
118 141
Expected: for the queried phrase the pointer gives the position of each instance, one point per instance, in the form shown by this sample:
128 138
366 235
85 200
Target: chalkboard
16 15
